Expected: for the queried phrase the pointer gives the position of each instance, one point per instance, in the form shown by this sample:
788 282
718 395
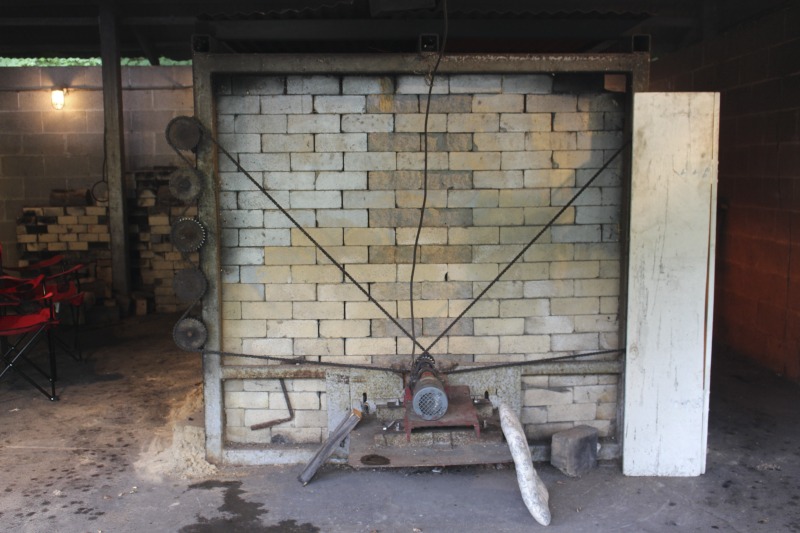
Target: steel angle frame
208 67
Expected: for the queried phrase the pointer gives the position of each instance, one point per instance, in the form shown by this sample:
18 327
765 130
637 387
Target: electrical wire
424 183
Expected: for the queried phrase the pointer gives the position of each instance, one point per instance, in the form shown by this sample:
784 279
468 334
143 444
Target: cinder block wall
757 70
344 156
43 149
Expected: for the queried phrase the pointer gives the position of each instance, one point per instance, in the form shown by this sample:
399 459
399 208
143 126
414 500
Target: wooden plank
670 283
115 155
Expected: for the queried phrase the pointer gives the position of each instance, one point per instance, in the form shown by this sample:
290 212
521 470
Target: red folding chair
64 284
27 317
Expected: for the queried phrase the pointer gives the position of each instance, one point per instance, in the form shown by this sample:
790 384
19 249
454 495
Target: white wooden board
670 283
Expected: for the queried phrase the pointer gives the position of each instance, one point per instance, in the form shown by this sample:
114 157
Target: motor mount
429 398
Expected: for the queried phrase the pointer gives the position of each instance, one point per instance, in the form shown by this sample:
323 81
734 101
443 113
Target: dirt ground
119 453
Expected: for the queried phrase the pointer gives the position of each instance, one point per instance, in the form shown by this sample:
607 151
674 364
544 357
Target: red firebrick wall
757 70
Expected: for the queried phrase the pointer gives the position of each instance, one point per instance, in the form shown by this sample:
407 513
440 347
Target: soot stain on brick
240 515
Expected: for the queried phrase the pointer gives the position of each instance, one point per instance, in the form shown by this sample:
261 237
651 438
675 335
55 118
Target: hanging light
58 97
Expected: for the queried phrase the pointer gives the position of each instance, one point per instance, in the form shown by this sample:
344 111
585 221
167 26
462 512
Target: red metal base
460 412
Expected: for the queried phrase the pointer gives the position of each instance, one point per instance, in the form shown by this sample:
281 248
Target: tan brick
498 216
549 178
422 273
316 274
416 161
317 310
574 269
473 345
416 122
475 160
479 235
291 328
324 236
311 419
318 347
609 305
368 199
551 103
244 328
550 141
571 412
286 255
483 308
370 346
494 179
574 306
290 292
473 198
344 328
367 310
498 103
391 103
526 160
499 326
536 396
578 159
394 142
373 273
242 292
473 122
546 289
423 308
525 122
271 347
526 344
575 341
472 272
595 394
597 287
606 411
246 400
406 236
499 142
265 310
577 121
596 323
542 325
340 292
344 254
413 199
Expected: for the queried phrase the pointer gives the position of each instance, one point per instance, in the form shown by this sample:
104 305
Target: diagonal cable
527 246
319 247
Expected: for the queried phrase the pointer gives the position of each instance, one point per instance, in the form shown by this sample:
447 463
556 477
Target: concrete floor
76 465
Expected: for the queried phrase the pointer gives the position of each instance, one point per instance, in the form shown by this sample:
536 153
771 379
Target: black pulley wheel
185 184
189 334
184 133
189 284
188 235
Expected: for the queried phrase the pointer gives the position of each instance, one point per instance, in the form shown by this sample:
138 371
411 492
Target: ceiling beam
349 30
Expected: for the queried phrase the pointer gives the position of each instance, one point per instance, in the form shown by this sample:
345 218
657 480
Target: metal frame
206 66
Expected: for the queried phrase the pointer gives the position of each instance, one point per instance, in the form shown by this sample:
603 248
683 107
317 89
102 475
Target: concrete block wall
344 154
43 149
756 67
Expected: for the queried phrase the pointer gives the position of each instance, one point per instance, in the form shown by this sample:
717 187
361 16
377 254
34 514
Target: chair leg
14 354
51 352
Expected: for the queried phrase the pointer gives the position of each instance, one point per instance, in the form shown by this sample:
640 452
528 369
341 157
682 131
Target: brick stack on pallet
80 233
154 260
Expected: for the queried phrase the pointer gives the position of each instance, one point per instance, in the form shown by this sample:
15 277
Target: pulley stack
187 234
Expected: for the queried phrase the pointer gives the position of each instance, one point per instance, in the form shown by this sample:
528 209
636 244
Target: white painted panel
670 283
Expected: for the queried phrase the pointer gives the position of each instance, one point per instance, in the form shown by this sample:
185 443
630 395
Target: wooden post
670 283
115 155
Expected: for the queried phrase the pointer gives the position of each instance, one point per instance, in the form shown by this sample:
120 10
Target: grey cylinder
430 399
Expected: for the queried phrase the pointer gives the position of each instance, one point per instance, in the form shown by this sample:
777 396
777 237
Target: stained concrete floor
71 466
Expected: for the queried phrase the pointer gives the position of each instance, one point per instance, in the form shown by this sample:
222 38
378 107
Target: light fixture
57 98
